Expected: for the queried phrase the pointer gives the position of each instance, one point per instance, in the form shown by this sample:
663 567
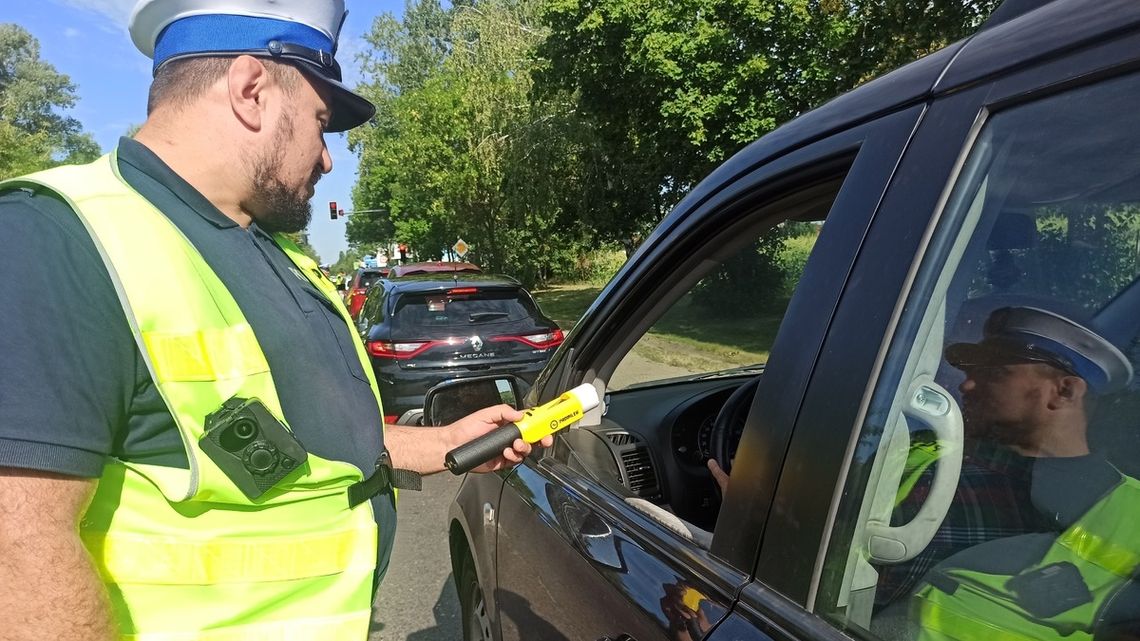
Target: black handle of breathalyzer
474 453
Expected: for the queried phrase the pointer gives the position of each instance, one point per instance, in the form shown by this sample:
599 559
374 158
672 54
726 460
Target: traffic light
332 209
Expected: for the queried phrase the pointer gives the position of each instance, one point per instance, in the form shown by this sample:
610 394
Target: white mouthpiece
586 395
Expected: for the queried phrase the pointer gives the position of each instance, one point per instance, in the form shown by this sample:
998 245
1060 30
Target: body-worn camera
253 448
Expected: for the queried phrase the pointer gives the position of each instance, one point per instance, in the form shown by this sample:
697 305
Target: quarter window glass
993 491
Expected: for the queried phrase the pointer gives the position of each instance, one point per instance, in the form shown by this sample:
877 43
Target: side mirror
452 400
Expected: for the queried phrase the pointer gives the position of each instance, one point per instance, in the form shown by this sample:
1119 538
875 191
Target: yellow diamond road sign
460 248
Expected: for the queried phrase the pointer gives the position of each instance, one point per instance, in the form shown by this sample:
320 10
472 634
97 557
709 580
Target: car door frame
870 152
874 309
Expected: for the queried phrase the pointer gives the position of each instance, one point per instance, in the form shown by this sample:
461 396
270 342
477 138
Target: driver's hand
719 475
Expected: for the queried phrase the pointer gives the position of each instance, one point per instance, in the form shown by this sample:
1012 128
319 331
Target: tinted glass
367 279
463 310
373 310
993 490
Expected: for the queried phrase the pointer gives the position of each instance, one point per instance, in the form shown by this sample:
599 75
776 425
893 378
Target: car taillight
462 290
390 419
398 350
544 340
356 299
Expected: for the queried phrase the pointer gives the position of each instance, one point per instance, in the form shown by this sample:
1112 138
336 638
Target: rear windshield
438 309
368 278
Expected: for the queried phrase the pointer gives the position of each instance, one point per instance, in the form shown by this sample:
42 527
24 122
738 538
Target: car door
1017 193
604 537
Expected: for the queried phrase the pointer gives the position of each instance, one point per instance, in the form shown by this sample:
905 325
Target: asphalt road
417 600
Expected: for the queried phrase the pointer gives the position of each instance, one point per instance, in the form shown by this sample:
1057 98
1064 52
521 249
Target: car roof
442 281
433 267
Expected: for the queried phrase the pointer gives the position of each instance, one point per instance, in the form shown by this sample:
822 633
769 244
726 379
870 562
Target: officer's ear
1070 390
246 81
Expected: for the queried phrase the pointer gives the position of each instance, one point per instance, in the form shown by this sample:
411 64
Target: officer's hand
479 423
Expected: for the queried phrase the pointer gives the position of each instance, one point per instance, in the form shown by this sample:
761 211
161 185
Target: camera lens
244 429
238 434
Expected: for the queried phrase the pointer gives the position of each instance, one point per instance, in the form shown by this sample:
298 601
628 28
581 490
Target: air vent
639 471
620 438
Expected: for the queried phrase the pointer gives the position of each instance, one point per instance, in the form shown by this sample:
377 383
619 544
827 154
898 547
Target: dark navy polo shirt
74 388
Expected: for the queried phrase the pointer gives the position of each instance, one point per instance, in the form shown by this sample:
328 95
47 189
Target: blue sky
88 41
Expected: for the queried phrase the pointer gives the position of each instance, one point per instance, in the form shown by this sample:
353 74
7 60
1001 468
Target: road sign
460 248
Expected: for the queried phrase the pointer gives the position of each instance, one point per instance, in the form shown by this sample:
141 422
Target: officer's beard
1016 435
278 207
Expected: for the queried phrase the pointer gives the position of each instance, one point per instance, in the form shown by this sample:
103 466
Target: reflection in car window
730 317
994 491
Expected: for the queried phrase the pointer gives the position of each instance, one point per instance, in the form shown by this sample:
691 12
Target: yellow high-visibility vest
1086 565
185 555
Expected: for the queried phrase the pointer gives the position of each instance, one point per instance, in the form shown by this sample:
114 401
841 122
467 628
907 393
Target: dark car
364 278
434 267
874 493
421 330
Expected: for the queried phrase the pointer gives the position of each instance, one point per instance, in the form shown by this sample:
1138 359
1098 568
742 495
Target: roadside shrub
792 257
594 267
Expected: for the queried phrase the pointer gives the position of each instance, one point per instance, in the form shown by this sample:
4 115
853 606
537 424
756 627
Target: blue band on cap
229 33
1094 375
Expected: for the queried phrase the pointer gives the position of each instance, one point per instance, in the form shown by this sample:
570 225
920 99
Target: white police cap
301 32
1029 334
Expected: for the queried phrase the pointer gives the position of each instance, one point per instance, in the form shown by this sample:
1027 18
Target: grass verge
685 337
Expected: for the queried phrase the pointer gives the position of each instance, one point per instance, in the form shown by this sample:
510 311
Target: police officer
191 441
1029 384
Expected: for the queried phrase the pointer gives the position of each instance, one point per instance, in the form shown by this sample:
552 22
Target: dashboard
691 431
653 442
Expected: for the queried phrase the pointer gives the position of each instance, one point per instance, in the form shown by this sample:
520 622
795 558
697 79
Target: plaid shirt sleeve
992 501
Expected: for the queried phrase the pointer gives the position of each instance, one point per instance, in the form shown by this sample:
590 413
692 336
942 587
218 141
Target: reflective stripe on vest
1104 547
185 554
332 627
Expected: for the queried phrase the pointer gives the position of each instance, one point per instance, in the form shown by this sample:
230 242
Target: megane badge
476 343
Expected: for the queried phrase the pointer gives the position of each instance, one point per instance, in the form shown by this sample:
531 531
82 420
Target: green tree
34 133
347 261
300 239
671 89
458 148
538 129
403 55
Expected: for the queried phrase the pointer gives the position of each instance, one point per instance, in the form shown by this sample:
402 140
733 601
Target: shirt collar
997 458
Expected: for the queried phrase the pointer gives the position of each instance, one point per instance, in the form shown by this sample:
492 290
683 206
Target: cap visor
984 354
349 109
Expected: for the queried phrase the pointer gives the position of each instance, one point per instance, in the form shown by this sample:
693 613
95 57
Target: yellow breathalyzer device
536 423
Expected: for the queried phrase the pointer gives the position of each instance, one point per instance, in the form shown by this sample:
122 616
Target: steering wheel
729 424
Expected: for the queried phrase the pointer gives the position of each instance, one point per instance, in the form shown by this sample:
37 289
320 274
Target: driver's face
1006 402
